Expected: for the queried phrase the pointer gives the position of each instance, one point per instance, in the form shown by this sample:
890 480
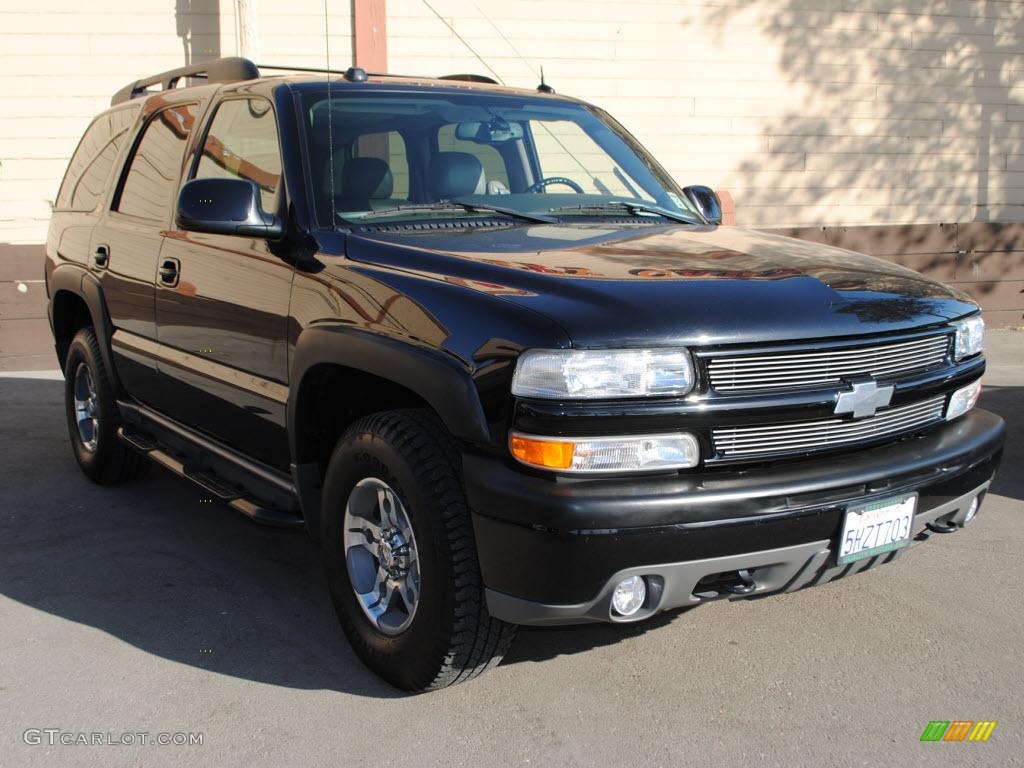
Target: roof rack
229 70
471 78
356 73
235 69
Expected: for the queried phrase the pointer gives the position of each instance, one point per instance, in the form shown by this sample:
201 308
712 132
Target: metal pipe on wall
248 28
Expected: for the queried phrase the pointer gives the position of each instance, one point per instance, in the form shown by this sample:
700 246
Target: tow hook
938 527
743 585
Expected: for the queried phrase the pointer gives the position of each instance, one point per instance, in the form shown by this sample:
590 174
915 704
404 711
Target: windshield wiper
630 208
460 205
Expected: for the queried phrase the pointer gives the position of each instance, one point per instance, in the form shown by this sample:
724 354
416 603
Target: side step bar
253 490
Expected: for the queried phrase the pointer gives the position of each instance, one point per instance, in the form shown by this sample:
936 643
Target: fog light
972 510
629 596
963 400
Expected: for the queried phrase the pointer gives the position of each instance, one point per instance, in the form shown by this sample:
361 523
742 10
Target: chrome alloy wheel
86 407
380 553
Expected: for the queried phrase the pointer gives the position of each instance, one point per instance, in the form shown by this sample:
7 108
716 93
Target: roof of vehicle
412 81
238 70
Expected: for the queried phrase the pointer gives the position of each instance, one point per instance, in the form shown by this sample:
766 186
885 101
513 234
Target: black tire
451 638
109 461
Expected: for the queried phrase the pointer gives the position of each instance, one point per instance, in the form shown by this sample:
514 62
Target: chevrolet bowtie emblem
863 399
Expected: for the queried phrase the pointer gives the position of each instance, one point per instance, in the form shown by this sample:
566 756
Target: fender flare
444 383
76 280
438 379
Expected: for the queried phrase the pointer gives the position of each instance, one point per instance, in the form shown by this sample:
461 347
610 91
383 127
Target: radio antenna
544 87
330 113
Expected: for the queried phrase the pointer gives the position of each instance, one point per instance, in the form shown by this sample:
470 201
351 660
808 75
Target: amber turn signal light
542 453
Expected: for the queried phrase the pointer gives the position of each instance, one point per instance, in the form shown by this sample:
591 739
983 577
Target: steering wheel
538 186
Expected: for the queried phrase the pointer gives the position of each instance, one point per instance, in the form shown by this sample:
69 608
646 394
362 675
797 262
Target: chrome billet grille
801 436
821 368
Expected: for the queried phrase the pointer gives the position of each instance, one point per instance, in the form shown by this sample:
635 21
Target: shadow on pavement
1008 402
158 566
161 568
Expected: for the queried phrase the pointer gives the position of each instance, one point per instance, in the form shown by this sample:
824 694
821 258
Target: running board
253 490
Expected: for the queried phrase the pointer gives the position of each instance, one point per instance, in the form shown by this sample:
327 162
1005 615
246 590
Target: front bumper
551 551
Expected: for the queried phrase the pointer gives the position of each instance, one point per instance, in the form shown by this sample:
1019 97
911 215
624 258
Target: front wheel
400 556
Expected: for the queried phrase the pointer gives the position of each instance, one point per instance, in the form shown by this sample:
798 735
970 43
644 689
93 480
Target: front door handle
169 272
101 257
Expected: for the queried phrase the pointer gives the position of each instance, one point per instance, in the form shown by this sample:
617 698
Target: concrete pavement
149 608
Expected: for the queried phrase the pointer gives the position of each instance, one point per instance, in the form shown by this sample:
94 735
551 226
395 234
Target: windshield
388 154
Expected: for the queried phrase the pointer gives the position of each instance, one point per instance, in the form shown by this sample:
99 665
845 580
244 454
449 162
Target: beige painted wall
810 112
62 60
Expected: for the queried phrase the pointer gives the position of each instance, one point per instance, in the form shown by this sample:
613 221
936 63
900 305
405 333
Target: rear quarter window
85 180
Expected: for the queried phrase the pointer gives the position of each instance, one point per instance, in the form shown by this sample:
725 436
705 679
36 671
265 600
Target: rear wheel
400 556
93 418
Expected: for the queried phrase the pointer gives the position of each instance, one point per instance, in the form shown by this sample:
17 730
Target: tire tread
478 642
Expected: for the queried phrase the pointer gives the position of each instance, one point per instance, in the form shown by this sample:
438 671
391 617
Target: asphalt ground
148 609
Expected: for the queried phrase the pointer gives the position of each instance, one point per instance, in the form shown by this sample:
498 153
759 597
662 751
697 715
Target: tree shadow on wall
907 112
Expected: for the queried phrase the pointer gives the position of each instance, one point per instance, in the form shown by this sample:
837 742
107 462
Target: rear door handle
169 272
101 257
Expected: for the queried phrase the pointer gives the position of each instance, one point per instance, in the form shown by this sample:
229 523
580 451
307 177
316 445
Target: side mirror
226 207
706 202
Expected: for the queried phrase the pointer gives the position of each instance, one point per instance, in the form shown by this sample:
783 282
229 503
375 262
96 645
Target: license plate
872 529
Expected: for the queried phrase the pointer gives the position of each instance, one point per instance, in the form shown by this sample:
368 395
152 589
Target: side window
489 157
242 144
389 147
85 180
565 149
153 170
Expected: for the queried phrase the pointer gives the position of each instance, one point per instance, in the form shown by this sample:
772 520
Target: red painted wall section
369 35
728 206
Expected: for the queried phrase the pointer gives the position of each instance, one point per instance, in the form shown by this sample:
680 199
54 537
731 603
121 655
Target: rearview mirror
706 202
496 131
226 207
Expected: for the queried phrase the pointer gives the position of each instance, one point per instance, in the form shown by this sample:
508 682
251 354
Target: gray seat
454 174
361 180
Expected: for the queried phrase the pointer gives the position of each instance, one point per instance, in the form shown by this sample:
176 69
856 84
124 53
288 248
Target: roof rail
229 70
354 73
471 78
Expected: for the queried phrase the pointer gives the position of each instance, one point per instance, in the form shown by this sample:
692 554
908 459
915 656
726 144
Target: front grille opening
816 368
788 438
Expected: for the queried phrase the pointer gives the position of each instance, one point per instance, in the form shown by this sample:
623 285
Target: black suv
480 345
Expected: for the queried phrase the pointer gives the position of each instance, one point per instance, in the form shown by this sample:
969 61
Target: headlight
586 374
970 337
634 453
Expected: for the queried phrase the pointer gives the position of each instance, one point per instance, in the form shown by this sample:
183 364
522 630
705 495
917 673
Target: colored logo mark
958 730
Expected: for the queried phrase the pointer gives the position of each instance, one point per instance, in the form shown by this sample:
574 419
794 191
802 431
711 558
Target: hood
629 285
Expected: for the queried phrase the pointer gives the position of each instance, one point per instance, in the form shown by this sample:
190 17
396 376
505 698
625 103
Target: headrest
456 174
365 178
